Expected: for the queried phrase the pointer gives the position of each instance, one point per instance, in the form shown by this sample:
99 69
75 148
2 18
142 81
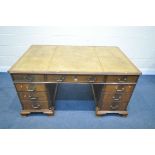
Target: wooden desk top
74 60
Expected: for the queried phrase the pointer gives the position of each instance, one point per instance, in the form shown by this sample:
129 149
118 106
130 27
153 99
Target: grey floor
75 108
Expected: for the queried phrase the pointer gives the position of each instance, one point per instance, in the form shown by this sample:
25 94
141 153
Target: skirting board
145 71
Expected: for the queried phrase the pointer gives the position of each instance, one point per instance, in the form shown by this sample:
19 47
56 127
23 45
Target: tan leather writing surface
74 60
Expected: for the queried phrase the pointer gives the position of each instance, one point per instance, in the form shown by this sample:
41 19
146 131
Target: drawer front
28 78
118 88
30 87
33 105
122 79
76 78
37 96
108 98
111 103
115 106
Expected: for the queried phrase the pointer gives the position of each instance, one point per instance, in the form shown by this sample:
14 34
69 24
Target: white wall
137 42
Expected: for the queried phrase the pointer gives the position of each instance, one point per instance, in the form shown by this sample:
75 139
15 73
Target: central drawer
76 78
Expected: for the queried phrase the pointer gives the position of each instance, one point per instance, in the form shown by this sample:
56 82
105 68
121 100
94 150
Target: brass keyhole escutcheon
92 79
61 78
75 78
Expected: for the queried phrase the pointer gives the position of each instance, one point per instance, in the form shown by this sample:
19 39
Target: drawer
28 78
122 78
114 106
30 87
114 102
33 105
114 88
108 98
35 96
76 78
111 102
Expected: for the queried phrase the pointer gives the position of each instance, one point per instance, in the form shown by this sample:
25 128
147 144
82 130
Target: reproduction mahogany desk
38 72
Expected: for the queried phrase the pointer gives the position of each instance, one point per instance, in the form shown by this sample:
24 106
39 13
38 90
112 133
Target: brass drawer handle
33 98
116 99
92 79
75 78
114 107
119 90
122 79
28 78
31 90
61 79
35 106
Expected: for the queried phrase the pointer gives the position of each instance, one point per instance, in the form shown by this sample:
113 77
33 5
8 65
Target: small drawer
122 79
35 96
108 98
30 87
76 78
28 78
114 88
33 105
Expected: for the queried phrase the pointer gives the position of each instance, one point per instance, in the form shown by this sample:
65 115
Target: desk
38 72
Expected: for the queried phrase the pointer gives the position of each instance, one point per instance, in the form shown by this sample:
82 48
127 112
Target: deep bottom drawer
33 105
114 105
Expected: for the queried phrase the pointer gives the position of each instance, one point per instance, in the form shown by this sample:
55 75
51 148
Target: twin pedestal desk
42 68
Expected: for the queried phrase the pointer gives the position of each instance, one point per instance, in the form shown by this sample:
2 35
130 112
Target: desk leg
52 91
